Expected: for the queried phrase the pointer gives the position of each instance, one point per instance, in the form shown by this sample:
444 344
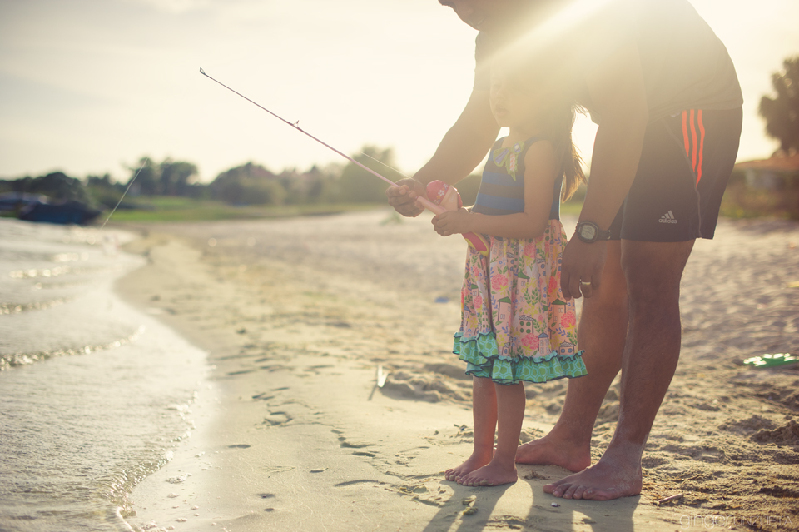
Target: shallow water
94 394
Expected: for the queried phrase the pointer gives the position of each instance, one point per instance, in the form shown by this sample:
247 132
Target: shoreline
295 433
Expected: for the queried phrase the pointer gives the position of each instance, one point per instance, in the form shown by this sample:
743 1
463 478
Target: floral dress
515 324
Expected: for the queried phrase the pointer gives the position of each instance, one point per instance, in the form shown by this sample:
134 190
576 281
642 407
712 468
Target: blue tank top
502 187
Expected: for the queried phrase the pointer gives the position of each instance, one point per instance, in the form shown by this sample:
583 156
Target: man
666 98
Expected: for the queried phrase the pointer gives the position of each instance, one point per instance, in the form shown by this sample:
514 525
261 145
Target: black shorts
686 162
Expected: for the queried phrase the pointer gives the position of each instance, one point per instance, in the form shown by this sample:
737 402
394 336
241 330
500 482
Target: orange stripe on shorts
685 132
701 147
693 138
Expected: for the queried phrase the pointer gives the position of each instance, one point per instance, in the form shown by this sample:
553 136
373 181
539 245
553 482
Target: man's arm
465 145
616 88
460 151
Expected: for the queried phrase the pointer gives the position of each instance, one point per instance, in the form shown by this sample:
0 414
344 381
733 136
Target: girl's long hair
561 125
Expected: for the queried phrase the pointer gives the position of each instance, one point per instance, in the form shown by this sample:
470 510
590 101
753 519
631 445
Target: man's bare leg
484 410
601 335
653 271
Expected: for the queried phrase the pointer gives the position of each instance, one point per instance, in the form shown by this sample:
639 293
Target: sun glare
559 24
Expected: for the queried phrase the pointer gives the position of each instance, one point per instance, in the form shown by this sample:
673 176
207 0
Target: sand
301 317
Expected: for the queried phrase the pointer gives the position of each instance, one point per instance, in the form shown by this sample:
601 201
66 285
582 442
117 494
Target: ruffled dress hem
483 360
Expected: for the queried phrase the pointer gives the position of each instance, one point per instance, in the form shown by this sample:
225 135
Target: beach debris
318 470
195 507
532 475
676 497
793 284
768 361
182 520
471 510
555 505
469 500
172 495
442 299
177 480
380 377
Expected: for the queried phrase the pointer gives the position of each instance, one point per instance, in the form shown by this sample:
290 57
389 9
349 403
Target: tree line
247 184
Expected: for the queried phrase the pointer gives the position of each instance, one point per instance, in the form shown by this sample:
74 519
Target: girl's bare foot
475 461
493 474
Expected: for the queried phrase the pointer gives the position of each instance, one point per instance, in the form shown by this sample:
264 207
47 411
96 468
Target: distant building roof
779 162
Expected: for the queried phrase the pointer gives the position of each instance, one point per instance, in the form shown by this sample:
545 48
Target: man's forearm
465 145
617 149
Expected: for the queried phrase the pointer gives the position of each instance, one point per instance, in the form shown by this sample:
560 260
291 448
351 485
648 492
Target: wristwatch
590 232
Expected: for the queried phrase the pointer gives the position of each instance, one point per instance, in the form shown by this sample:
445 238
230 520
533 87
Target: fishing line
298 128
123 194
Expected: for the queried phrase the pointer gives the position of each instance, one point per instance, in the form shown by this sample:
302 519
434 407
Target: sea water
94 395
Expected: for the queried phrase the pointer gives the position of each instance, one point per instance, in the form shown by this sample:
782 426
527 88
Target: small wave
13 308
7 361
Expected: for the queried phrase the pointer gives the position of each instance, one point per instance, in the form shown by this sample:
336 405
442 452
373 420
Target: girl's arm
539 182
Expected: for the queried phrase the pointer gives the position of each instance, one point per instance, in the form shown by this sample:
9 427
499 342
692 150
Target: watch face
588 232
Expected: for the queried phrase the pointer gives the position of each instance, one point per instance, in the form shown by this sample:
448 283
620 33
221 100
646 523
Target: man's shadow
548 512
471 509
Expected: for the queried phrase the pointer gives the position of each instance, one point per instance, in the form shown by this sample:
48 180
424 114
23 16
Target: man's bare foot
552 450
613 477
475 461
492 474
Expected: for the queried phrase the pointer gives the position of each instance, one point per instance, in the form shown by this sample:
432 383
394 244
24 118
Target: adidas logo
668 218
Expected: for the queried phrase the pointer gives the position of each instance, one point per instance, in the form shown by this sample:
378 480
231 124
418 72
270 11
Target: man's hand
581 269
452 222
402 196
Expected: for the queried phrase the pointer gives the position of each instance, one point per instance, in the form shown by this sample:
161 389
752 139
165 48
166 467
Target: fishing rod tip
202 71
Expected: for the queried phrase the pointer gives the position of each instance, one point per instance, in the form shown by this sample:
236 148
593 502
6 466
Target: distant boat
14 201
67 213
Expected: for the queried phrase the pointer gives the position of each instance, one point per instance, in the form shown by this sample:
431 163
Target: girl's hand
452 222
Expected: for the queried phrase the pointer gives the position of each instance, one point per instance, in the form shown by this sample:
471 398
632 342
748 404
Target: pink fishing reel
443 198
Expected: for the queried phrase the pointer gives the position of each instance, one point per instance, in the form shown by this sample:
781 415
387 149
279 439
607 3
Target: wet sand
298 317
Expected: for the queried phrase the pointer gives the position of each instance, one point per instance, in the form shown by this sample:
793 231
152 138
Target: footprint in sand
276 419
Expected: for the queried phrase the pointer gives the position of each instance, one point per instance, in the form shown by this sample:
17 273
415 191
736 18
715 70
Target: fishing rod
295 125
445 197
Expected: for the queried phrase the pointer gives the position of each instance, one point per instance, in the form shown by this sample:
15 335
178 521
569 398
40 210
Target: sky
90 86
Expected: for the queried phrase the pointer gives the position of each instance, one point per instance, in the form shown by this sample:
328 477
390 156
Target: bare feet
492 474
552 450
476 461
616 475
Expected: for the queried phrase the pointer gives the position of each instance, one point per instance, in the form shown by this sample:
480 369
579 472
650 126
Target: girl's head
534 95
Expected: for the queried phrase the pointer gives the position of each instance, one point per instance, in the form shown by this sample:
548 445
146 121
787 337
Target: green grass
178 209
571 207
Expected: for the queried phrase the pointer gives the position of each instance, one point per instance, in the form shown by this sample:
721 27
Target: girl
516 325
